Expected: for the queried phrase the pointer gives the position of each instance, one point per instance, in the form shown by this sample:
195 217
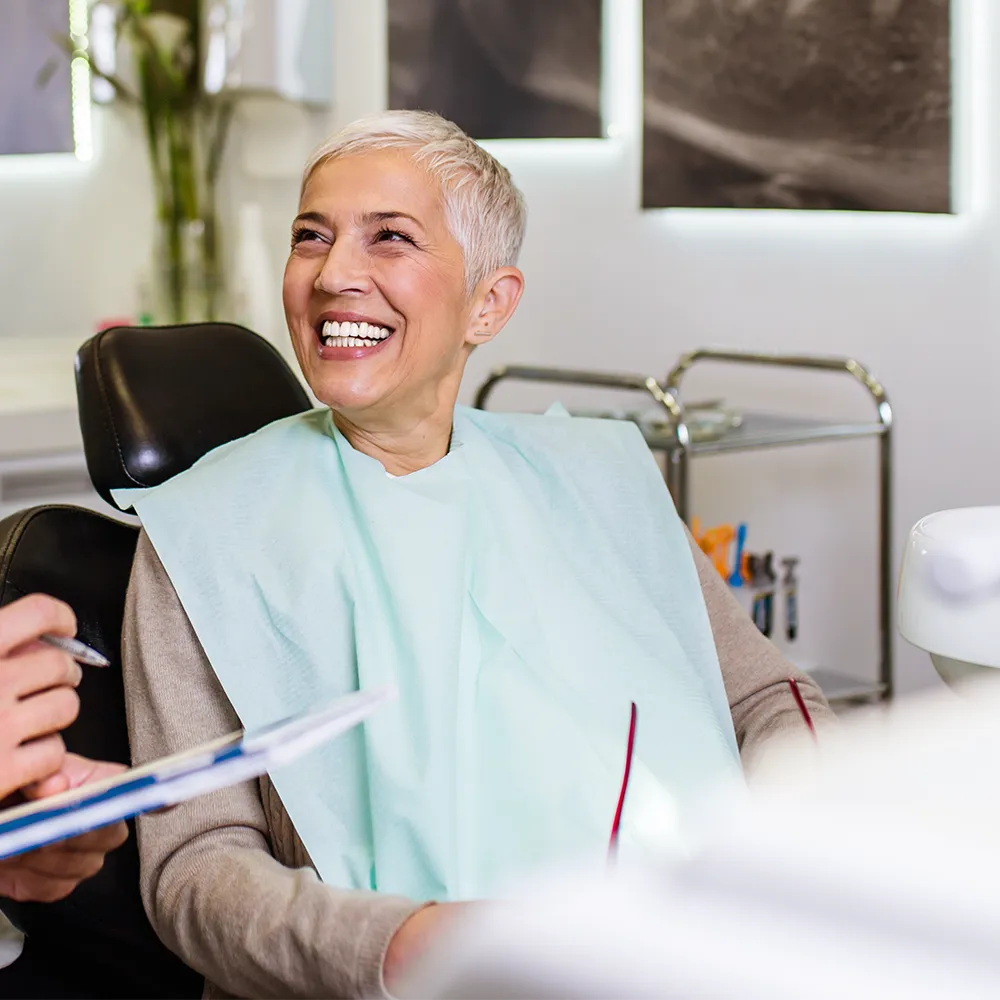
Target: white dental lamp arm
949 591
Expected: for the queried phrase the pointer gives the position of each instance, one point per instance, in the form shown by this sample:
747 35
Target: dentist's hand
37 691
37 699
53 872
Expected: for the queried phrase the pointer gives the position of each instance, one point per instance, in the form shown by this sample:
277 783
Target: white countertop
38 396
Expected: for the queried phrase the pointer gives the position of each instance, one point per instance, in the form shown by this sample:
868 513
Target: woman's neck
402 447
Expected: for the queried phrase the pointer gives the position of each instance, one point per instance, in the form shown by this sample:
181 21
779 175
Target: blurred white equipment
949 591
866 867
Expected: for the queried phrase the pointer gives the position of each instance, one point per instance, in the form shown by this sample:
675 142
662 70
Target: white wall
611 287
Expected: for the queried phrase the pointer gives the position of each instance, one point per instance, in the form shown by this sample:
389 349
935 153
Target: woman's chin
347 399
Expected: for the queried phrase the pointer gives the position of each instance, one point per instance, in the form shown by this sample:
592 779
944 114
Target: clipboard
217 764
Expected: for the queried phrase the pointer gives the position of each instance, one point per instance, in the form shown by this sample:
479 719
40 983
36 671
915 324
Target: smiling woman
523 582
395 274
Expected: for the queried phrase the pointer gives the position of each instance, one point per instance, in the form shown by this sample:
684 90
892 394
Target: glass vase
187 280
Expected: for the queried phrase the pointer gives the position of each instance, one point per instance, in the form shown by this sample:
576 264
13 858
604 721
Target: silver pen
78 650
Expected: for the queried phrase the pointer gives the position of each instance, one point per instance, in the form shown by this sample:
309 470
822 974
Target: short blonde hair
486 212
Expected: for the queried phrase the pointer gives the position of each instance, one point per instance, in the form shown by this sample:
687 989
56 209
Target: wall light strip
79 83
973 86
35 166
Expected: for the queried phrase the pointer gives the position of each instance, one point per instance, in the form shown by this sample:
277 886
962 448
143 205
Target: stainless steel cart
756 431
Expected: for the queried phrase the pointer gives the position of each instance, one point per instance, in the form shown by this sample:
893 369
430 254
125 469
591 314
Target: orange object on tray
715 543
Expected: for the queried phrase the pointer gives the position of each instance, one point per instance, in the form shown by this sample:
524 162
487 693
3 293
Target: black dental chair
152 401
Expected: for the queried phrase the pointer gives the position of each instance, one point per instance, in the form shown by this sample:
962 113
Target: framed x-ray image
501 69
809 104
36 107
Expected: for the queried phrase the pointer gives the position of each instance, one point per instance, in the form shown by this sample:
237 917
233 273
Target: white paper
207 768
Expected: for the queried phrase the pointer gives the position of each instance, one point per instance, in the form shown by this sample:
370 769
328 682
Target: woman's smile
350 336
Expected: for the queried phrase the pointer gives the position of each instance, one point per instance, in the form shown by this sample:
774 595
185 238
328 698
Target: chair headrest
153 400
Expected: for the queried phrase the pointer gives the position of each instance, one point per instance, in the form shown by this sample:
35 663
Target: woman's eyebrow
318 217
370 217
367 219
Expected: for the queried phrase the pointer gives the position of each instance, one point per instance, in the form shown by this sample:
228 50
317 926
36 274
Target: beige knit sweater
225 879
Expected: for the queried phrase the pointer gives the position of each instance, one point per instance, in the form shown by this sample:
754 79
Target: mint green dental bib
519 594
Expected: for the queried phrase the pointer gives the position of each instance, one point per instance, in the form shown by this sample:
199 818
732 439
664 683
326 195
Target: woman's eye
304 236
392 236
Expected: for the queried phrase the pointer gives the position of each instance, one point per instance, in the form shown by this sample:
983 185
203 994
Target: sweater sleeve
754 671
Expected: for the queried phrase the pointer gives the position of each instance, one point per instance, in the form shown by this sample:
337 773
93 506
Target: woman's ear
496 299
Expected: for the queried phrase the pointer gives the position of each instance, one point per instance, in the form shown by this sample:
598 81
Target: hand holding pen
37 699
38 684
77 650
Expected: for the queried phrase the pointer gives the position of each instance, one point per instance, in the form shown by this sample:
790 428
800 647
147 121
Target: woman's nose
345 270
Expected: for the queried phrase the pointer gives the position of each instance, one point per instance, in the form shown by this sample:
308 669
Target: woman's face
371 246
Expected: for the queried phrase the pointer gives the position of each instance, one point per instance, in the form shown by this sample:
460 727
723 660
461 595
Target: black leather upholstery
97 942
153 400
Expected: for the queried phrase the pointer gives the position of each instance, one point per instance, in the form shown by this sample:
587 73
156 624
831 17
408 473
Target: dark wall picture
813 104
501 69
34 118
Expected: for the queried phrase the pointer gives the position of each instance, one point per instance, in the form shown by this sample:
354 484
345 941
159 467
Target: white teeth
349 342
353 334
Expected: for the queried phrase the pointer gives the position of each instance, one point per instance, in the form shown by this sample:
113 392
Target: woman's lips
349 340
